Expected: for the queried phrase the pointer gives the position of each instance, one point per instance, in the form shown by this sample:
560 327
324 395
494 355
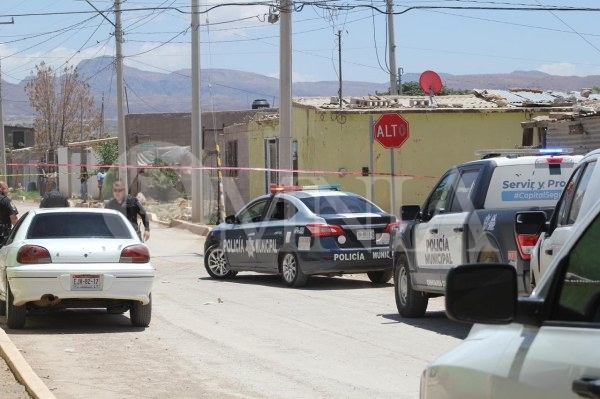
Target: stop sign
391 130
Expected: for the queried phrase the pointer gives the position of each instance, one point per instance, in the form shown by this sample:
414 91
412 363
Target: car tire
291 274
15 315
216 265
380 276
410 303
141 314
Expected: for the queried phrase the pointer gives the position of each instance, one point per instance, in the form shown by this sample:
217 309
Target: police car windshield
331 205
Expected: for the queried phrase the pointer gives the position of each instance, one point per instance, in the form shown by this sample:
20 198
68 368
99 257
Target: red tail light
33 254
324 230
135 254
393 227
525 243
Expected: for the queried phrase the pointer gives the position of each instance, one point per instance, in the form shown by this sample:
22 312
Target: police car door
429 250
239 245
444 241
275 233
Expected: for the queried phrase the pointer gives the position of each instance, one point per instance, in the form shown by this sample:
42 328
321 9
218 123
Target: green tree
414 89
108 154
63 104
107 151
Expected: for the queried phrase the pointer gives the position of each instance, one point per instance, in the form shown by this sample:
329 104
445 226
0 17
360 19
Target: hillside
222 89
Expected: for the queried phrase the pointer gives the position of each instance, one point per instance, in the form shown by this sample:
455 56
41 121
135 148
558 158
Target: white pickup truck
580 194
469 217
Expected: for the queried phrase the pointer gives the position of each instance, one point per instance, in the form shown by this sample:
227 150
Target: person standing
129 206
100 176
83 177
8 212
53 198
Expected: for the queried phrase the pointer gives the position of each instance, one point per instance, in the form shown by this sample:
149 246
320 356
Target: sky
455 37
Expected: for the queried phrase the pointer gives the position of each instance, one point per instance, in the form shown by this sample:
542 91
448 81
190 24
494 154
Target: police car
298 231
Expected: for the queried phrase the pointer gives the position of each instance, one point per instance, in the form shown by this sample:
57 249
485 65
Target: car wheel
410 303
290 271
15 315
141 314
380 276
215 263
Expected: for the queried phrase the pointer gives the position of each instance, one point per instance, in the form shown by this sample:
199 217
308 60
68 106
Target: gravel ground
10 388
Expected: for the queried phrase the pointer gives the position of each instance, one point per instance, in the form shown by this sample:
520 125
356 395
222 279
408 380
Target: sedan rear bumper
32 282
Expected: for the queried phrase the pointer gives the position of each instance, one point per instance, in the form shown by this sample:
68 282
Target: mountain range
224 89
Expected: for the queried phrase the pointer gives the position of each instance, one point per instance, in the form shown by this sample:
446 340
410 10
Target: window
334 204
231 158
77 225
438 202
253 213
570 203
462 200
281 210
18 139
579 298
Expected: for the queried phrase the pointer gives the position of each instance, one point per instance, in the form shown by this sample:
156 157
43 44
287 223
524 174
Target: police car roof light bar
275 188
514 152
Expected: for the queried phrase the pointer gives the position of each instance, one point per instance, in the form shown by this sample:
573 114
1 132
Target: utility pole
340 64
197 195
120 115
392 42
2 143
285 91
2 138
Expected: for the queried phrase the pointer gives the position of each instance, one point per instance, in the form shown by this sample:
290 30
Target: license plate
86 282
365 234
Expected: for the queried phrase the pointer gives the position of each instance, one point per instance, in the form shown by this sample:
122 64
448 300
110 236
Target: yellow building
333 145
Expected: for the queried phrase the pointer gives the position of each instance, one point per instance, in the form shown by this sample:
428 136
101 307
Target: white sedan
58 258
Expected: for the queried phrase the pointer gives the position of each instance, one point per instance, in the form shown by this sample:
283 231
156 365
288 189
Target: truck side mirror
409 212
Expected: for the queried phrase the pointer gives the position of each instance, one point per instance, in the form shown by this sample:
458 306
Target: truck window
439 200
579 298
570 203
462 199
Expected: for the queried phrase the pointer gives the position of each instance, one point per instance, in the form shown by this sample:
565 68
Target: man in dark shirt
53 198
8 212
129 206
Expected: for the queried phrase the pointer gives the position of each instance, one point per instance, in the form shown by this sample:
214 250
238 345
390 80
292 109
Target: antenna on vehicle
431 83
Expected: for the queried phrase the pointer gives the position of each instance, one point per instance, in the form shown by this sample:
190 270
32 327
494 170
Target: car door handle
457 229
587 387
251 234
278 233
549 251
433 231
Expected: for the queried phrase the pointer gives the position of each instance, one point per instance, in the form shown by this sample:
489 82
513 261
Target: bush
163 181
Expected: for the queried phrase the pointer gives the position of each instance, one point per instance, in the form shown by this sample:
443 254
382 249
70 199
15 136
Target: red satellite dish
430 82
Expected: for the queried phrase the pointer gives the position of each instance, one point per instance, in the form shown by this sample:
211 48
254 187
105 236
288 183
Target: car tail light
135 254
393 227
33 254
525 243
324 230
